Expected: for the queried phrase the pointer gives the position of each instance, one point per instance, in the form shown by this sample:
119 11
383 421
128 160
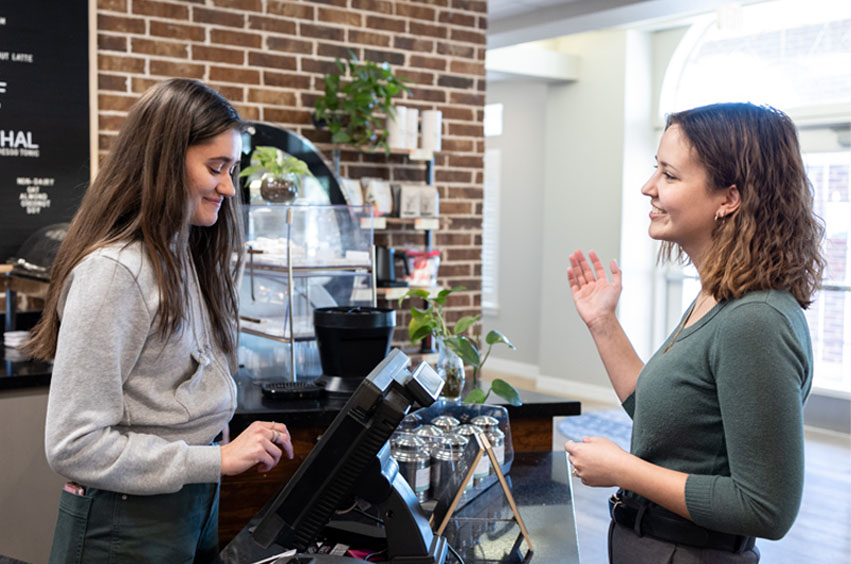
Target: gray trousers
626 547
105 526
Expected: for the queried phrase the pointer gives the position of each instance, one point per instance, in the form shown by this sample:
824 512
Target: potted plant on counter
279 174
354 109
455 349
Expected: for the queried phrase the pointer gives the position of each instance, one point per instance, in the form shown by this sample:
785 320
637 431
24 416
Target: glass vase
450 367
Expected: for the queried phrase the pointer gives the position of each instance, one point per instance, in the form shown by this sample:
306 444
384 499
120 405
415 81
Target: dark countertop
541 487
21 373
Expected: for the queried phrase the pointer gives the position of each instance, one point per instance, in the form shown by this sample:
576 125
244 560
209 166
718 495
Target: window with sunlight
795 56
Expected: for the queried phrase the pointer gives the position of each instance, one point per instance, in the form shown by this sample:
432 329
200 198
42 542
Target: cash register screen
326 477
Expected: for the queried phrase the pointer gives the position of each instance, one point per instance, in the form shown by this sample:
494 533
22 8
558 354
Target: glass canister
447 452
497 441
485 422
412 456
411 422
429 433
445 423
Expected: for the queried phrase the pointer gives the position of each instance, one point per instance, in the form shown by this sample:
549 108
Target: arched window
795 56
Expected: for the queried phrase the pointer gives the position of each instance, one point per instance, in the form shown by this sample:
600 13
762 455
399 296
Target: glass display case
299 257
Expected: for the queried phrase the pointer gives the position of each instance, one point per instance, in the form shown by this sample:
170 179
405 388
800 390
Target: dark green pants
110 527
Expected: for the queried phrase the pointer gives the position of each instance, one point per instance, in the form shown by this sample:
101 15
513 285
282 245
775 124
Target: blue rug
614 424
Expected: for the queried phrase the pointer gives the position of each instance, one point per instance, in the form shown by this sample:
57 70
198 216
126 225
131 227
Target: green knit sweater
725 406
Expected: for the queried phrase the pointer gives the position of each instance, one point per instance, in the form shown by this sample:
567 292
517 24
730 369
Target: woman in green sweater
717 455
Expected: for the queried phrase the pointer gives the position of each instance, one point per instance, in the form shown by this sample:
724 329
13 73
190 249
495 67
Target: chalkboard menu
44 115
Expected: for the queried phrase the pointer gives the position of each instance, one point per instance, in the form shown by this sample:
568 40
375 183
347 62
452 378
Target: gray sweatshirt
130 411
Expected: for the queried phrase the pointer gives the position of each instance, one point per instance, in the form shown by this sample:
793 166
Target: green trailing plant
354 109
431 321
273 161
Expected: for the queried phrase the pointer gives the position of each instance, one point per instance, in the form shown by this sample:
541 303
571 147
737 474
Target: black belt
653 522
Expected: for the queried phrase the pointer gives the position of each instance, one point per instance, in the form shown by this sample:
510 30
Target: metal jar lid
486 422
468 430
446 423
411 422
429 431
408 448
449 447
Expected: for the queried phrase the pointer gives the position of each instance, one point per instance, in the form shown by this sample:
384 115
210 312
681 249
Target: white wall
521 210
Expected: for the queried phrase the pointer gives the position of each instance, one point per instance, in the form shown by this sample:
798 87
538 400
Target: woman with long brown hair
717 443
141 323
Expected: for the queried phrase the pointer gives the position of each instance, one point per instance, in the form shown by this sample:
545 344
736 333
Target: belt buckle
614 502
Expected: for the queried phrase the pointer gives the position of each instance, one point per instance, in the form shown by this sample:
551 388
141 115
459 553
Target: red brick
120 24
115 103
418 28
443 239
248 112
416 77
173 30
291 10
160 9
465 193
450 81
112 5
454 18
336 51
159 47
467 98
218 54
232 93
433 63
368 38
237 38
112 42
318 66
466 161
483 23
217 17
477 37
415 44
105 142
459 176
480 6
456 50
286 80
455 270
321 32
415 12
455 208
458 145
289 45
275 25
392 57
386 24
344 17
238 75
275 97
380 6
170 69
110 122
269 60
463 67
287 116
244 5
117 63
139 84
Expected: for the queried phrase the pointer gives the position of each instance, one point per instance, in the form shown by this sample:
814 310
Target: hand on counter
263 443
597 461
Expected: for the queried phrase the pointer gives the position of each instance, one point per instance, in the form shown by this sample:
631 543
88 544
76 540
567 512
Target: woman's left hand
597 461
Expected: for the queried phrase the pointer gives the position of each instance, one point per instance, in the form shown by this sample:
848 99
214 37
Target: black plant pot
351 342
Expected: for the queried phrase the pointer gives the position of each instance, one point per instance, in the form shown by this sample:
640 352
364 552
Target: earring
719 215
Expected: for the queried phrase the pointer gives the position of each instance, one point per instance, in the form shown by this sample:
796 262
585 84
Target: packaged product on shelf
422 267
352 191
378 194
429 201
407 198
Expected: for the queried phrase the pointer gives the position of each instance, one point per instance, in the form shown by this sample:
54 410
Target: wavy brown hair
773 240
141 194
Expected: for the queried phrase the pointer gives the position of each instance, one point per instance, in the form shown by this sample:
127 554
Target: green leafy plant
273 161
431 321
352 109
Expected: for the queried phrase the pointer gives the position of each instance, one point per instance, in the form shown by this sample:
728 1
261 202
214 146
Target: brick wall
268 57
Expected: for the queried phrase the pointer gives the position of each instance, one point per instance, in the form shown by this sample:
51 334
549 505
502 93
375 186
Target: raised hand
594 296
263 443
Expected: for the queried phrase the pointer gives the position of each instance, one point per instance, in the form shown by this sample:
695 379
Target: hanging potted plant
356 100
279 174
455 349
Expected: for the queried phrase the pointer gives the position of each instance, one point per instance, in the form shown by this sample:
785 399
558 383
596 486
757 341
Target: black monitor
352 459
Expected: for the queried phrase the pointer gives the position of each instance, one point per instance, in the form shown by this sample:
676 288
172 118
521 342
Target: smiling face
683 206
209 173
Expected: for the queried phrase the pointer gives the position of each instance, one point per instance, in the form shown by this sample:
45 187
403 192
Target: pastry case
298 258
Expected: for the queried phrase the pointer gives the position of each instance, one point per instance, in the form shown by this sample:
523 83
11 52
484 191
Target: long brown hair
141 194
773 240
